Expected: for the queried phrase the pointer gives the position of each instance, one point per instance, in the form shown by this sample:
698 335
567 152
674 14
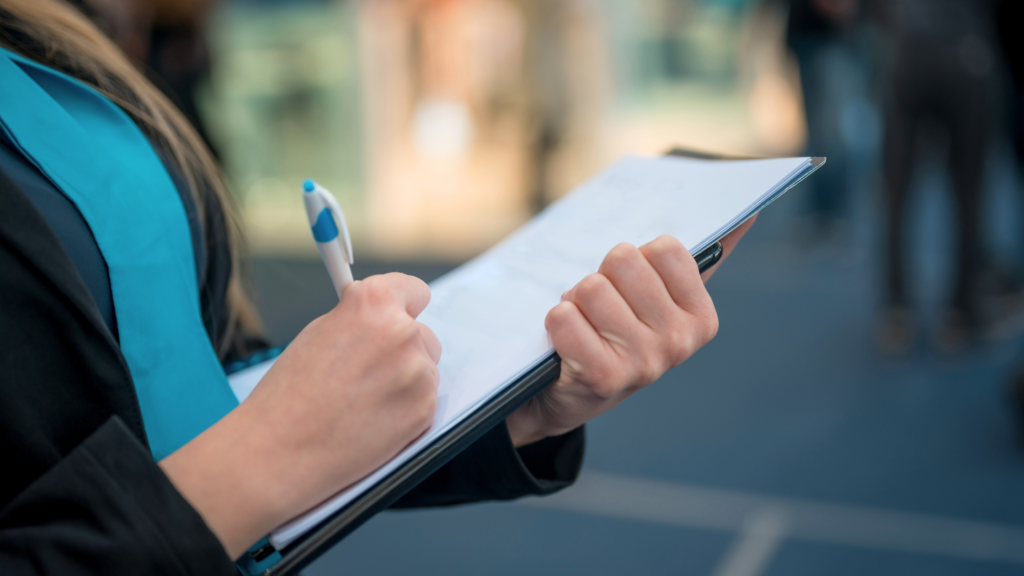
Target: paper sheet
489 314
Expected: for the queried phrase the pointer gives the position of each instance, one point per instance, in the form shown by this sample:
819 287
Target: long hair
55 34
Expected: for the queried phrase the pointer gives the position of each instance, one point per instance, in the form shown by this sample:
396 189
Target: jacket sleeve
493 469
79 491
106 508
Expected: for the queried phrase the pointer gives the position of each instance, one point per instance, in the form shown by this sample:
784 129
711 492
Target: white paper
489 313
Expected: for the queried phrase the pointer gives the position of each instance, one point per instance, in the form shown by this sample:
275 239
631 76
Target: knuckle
603 391
426 397
418 382
677 344
356 292
682 338
665 245
428 411
604 379
623 253
419 287
394 326
712 326
371 285
428 402
591 286
558 315
429 374
647 367
372 293
409 287
406 327
707 323
686 337
649 372
421 369
408 371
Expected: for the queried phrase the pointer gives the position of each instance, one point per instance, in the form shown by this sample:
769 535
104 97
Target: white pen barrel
337 266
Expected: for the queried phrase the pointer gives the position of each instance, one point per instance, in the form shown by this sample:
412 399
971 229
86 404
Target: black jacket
80 492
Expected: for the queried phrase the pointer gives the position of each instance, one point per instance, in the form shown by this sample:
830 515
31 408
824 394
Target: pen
335 247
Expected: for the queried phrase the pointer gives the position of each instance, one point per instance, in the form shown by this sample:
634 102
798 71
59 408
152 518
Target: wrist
526 426
226 474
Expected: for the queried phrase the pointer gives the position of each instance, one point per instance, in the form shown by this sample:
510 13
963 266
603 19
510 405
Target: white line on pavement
755 545
652 501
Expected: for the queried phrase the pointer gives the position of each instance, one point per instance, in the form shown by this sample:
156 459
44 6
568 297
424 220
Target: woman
124 449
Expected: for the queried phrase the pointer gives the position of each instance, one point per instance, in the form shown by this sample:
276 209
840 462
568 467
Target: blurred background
861 409
444 125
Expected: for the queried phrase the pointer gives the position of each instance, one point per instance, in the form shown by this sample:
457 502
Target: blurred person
445 122
511 66
668 18
1009 16
466 58
126 452
564 93
491 107
941 73
547 94
1004 280
820 34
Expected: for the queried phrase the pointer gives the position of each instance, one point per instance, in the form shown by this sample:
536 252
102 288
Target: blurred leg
838 73
896 334
969 126
899 154
809 54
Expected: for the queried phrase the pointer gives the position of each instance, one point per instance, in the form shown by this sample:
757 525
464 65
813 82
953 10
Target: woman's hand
618 330
353 389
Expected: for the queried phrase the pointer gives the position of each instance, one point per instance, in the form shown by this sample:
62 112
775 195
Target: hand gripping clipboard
265 560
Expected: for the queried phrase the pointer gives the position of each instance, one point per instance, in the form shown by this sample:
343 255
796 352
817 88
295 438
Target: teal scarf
97 157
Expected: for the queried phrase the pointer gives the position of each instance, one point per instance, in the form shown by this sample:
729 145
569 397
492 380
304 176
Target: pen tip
308 185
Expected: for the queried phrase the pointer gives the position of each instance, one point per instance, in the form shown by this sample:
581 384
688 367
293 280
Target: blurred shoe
1016 398
833 229
954 331
896 330
1001 304
822 238
1004 318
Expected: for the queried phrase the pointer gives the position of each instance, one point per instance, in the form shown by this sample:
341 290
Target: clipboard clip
709 256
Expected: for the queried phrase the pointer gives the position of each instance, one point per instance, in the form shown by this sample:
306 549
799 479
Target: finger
729 244
639 284
412 293
678 271
573 337
605 309
430 341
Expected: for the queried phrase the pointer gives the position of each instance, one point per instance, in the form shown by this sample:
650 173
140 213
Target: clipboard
264 560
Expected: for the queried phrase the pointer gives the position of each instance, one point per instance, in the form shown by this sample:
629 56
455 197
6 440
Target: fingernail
563 295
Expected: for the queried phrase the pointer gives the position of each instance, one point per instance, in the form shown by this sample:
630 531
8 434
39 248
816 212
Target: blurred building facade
283 104
442 125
